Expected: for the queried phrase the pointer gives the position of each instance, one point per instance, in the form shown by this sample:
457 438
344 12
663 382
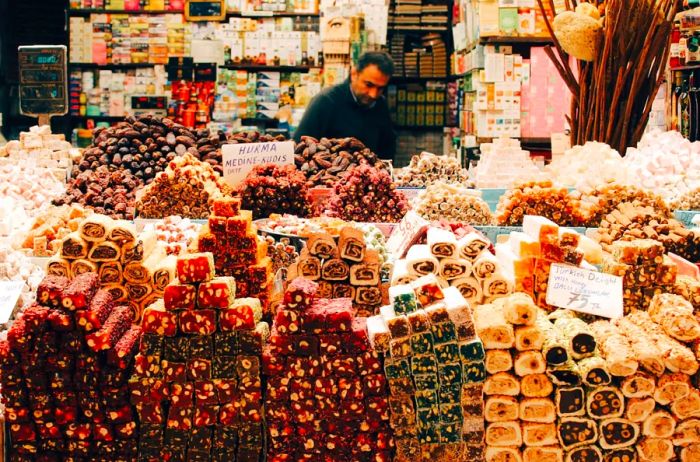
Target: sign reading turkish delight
584 290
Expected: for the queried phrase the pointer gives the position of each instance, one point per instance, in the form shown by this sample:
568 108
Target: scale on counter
42 81
149 104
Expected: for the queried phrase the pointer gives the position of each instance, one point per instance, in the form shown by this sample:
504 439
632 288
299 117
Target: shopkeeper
356 107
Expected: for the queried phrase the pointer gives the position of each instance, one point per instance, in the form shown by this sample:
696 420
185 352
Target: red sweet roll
202 322
217 293
125 349
300 294
182 394
35 317
198 267
97 312
80 291
114 327
226 207
50 290
156 320
49 431
61 321
178 296
19 336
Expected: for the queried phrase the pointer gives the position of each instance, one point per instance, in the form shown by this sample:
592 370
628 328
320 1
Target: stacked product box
65 372
326 393
196 382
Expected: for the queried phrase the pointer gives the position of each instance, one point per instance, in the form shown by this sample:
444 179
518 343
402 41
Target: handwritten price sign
9 294
586 291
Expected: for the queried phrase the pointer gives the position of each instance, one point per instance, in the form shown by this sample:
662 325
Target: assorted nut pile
273 188
323 162
603 199
427 168
367 194
186 188
106 192
538 198
688 201
453 203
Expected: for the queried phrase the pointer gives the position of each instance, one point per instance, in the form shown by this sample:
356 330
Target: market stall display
453 203
238 251
342 269
325 161
103 191
323 375
427 168
133 267
271 189
367 194
538 198
48 229
196 382
64 381
186 188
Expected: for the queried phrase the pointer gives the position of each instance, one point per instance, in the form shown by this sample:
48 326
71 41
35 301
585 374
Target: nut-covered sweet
538 198
427 168
324 161
597 202
453 203
273 188
367 194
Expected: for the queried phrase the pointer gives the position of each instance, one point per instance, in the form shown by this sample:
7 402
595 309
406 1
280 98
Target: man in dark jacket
356 107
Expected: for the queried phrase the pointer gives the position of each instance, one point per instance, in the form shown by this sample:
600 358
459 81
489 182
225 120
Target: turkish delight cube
175 371
201 347
451 432
300 294
472 351
147 366
244 313
418 321
423 364
447 353
251 342
226 390
175 438
341 365
198 267
178 296
201 322
450 373
226 207
79 292
444 332
118 322
219 293
400 347
151 345
330 344
465 331
206 415
339 315
223 367
426 398
369 362
422 343
150 413
401 385
180 417
199 369
181 394
399 326
426 382
156 320
97 311
474 371
374 385
226 343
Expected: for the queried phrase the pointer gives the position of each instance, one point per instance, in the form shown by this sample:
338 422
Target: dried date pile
107 192
272 189
253 137
324 162
186 188
367 194
146 144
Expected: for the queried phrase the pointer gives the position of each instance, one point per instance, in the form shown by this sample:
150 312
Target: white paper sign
584 290
405 233
239 159
9 294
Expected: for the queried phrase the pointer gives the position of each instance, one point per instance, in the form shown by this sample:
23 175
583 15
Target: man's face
368 85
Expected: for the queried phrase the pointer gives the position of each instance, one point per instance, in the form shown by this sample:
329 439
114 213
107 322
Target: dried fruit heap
64 374
324 162
326 393
273 188
196 382
367 194
186 188
238 252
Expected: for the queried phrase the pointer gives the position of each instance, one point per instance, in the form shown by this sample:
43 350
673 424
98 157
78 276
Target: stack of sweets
519 408
538 198
64 374
688 288
603 199
644 269
238 252
464 263
527 256
133 267
343 270
326 391
197 379
435 368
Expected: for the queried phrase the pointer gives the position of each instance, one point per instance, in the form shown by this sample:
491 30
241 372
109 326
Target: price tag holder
585 291
404 235
9 294
205 10
42 81
240 159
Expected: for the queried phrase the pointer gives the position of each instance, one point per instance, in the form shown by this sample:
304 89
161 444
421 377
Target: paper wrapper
493 329
309 267
442 243
570 401
536 386
471 246
543 454
81 266
594 371
335 269
95 228
351 244
539 434
605 403
322 246
454 268
537 410
110 272
615 349
400 274
485 265
639 409
470 289
586 454
617 433
122 232
660 424
502 383
74 247
576 432
420 261
105 251
57 266
164 273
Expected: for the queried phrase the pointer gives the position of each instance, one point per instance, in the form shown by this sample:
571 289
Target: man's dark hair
381 59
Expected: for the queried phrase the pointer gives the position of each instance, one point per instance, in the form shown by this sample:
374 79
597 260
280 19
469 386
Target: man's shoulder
333 93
